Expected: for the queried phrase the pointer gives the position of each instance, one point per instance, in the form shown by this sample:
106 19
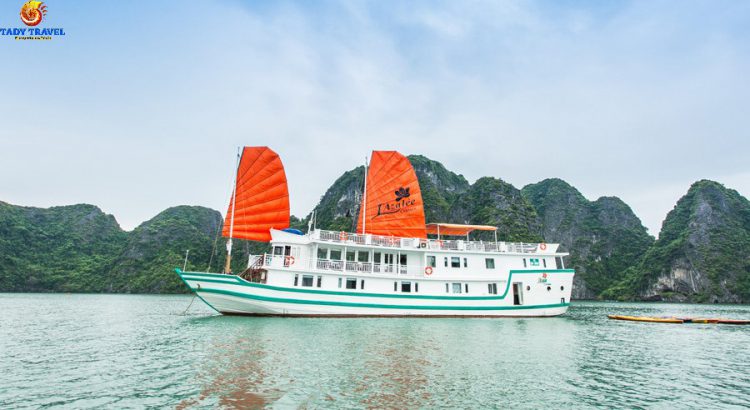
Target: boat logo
402 203
402 193
543 278
32 12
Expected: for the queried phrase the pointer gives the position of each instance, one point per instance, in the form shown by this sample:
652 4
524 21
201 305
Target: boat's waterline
230 294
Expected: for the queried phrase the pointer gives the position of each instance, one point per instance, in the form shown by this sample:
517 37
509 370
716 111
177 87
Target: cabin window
322 253
489 263
320 281
350 256
362 284
307 280
466 286
558 263
544 262
395 286
296 280
351 283
402 259
335 254
492 288
339 283
416 287
466 263
456 288
446 288
363 256
455 262
278 250
376 257
445 260
524 262
406 287
431 261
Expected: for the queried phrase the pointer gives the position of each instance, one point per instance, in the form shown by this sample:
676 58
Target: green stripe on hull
208 277
379 306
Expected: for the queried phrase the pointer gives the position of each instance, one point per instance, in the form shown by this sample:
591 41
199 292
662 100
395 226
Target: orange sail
262 197
393 199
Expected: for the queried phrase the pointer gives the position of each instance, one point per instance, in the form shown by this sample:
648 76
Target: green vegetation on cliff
64 248
702 254
603 237
78 248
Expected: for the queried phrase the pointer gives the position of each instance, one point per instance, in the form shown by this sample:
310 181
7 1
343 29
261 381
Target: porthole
549 288
528 287
562 287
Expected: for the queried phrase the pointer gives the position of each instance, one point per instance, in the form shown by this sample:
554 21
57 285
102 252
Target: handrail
432 244
281 261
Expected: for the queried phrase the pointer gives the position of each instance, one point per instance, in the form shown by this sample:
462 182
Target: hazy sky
142 104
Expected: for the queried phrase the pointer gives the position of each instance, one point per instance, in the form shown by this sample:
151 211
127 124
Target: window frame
455 262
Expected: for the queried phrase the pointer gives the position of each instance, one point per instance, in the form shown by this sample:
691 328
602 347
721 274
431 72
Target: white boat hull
230 294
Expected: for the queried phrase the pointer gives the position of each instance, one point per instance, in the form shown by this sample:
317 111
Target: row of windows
455 262
307 281
405 286
534 262
361 256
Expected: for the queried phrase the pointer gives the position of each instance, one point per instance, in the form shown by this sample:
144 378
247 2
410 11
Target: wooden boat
679 320
733 322
646 319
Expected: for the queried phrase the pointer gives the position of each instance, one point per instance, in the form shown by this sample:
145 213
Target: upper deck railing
431 244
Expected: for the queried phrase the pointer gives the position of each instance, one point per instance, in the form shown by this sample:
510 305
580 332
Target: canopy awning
456 229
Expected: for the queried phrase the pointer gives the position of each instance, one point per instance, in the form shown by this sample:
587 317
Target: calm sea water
112 351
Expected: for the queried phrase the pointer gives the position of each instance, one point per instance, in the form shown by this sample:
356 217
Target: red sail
394 201
262 196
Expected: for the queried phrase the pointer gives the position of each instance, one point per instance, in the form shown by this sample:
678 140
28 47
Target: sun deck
345 238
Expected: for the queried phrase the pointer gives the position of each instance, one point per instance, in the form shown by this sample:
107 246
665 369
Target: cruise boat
393 265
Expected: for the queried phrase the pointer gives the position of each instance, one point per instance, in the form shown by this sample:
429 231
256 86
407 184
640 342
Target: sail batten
261 199
392 204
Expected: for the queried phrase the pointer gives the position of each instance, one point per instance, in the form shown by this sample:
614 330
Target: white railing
433 244
280 261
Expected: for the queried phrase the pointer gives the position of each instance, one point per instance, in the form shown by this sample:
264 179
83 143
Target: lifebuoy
289 259
543 246
428 271
342 236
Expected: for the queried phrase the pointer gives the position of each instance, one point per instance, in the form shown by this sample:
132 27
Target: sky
142 105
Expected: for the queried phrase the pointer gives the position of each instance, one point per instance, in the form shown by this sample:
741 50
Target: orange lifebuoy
543 246
289 259
428 271
342 236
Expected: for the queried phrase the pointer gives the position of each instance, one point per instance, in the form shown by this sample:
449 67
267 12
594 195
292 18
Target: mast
364 201
227 265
